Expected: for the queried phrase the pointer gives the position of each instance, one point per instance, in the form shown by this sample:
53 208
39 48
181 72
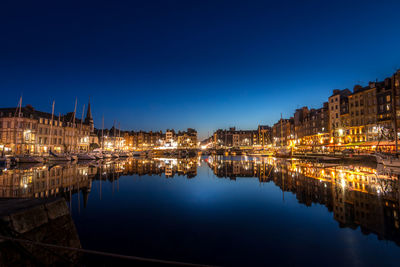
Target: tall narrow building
89 118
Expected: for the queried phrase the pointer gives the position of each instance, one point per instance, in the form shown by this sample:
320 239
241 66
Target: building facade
24 130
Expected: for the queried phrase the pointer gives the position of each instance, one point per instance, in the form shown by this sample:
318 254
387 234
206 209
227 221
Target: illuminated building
233 138
283 132
337 106
263 137
158 140
24 130
187 139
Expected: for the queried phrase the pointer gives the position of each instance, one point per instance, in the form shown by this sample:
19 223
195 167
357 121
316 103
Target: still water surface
230 211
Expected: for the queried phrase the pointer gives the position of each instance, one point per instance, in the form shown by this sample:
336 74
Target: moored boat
84 156
123 154
106 155
29 159
136 153
58 157
283 153
97 155
387 160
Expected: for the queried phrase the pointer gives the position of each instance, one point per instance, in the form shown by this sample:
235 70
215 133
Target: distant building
158 140
234 138
283 132
187 139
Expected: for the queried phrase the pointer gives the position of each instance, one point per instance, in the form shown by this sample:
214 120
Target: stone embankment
45 221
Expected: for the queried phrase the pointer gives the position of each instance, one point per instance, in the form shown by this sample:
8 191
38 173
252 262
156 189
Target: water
229 211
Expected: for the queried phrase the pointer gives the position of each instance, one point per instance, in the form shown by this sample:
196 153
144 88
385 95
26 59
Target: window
388 98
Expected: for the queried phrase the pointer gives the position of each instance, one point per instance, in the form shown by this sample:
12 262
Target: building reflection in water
33 206
65 179
357 195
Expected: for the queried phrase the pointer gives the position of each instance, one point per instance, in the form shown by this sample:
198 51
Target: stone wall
45 221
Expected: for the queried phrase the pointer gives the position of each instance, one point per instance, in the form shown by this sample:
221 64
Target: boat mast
394 110
102 134
18 110
83 111
115 137
281 132
73 127
119 136
51 125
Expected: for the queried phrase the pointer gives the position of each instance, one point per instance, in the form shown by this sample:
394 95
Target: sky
153 65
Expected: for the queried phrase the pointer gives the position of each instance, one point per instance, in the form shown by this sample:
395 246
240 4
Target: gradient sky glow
154 65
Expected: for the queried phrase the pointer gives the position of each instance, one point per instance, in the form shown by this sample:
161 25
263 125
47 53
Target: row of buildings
24 130
114 139
361 118
241 138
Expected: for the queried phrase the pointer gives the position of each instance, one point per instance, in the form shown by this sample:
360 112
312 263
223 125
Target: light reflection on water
226 211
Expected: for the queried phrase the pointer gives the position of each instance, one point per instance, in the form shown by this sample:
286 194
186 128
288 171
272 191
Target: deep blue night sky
154 65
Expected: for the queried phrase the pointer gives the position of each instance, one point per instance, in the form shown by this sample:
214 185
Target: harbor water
224 211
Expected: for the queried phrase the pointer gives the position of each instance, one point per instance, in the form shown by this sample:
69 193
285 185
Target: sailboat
58 157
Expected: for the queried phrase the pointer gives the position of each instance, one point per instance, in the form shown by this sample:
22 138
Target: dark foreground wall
46 221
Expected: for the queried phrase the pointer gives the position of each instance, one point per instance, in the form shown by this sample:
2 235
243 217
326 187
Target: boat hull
60 158
86 157
29 159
